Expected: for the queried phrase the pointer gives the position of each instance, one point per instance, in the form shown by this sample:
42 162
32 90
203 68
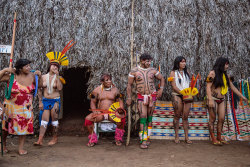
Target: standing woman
217 87
180 79
18 116
49 94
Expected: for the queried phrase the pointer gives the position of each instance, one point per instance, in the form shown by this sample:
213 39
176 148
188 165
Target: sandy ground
72 151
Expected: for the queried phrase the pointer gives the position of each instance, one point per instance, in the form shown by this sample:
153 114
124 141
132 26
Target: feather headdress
60 57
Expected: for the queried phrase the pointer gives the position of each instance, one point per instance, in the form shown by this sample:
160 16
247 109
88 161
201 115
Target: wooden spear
131 59
13 41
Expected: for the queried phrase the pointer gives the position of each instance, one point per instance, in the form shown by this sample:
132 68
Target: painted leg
143 124
89 123
54 140
149 120
186 111
55 123
178 106
42 131
43 127
212 117
221 119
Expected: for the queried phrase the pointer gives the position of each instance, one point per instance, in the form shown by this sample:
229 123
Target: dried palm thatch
199 30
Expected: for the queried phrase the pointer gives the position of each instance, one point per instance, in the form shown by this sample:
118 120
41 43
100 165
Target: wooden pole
13 41
131 66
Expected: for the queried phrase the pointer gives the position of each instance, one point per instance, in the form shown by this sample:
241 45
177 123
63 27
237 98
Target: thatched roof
198 30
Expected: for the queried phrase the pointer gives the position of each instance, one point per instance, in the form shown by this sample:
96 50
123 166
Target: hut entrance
75 102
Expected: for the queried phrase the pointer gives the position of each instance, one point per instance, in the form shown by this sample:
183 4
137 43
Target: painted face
226 67
182 64
145 63
54 69
26 69
107 82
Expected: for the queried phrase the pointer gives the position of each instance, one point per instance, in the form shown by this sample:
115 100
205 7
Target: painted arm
209 81
93 101
119 98
237 92
129 88
174 87
40 98
162 83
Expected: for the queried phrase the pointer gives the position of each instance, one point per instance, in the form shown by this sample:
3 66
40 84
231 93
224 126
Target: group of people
22 86
106 100
182 96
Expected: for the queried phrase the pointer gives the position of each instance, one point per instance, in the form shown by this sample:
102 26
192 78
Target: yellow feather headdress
60 57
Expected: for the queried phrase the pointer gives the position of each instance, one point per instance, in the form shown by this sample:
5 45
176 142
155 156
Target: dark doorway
75 102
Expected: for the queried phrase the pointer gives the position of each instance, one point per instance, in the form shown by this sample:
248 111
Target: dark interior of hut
75 102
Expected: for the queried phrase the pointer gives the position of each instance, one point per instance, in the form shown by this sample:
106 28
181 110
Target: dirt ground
72 151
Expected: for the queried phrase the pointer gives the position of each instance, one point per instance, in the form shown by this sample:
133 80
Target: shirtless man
216 89
144 76
102 98
49 102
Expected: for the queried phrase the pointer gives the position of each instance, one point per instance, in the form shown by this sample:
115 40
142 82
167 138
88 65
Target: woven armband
157 73
130 75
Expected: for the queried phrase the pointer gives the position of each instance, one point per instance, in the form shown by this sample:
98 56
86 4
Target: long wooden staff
13 41
131 59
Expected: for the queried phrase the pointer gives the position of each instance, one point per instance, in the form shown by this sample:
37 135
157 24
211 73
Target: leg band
140 134
150 118
143 121
145 138
144 133
149 131
55 123
88 122
93 138
44 123
119 134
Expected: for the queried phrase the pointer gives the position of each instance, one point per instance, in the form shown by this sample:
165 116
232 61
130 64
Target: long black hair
177 65
20 64
219 69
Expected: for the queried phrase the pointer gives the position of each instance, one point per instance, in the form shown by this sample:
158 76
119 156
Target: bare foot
52 142
5 150
188 141
148 142
118 143
37 143
144 145
91 144
223 141
177 140
216 143
23 152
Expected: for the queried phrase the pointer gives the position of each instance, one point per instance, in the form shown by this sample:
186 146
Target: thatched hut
199 30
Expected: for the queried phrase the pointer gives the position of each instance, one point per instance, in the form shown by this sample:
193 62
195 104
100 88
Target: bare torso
105 97
215 92
55 93
144 79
